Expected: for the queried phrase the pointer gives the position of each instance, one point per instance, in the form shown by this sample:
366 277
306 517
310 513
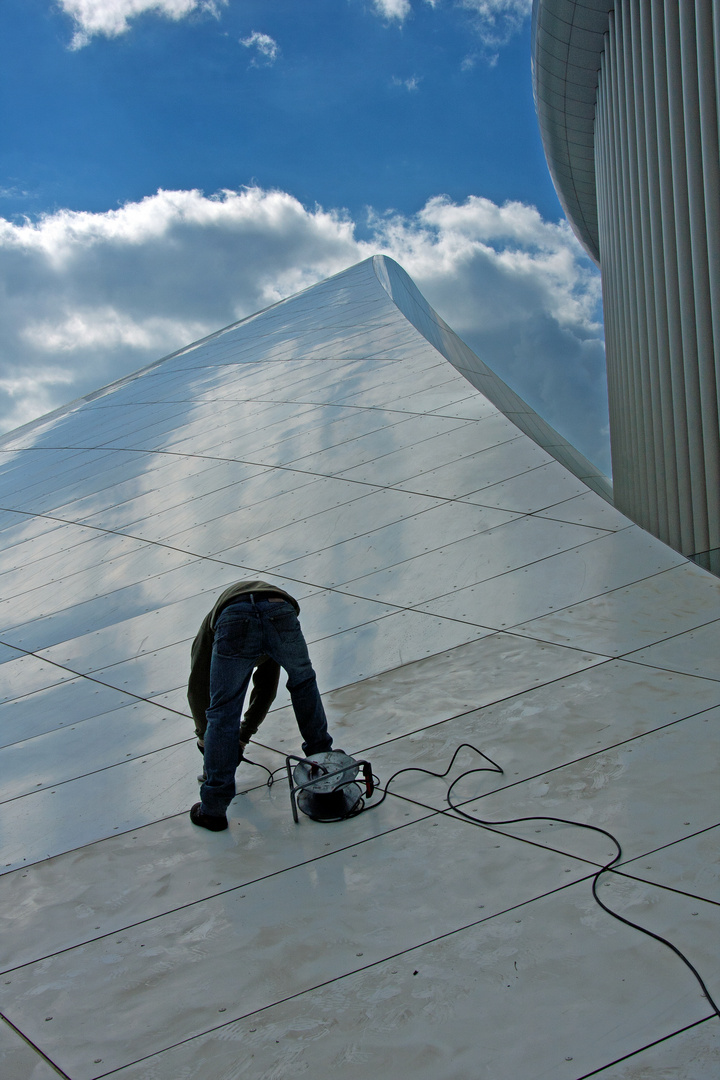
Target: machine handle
368 776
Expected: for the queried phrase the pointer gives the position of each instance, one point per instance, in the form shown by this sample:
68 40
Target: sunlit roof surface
458 585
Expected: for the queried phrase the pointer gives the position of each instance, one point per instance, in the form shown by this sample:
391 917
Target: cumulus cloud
89 297
522 294
265 48
393 9
111 17
496 21
411 84
25 397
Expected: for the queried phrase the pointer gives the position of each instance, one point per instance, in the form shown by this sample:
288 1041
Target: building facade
627 100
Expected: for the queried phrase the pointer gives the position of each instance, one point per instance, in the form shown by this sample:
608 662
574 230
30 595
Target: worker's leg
235 650
284 641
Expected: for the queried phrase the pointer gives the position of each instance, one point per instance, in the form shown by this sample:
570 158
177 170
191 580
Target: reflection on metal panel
458 584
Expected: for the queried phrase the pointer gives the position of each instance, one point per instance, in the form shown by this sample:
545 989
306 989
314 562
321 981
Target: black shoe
207 821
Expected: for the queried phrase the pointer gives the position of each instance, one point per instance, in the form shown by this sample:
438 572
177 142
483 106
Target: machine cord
492 766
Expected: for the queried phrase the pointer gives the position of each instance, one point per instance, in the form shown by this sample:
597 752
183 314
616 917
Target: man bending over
253 625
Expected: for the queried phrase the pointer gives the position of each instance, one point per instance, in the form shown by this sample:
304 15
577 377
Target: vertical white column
707 164
608 180
615 293
607 223
654 258
634 485
665 269
678 71
650 408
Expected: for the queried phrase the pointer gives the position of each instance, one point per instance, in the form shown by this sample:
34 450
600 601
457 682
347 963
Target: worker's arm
199 682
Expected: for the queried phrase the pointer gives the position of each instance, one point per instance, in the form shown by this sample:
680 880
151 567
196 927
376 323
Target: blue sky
353 110
169 166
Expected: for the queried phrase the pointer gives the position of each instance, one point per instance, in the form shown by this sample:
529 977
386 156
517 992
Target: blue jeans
246 629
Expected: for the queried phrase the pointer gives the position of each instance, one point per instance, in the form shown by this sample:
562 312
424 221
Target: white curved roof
458 585
567 42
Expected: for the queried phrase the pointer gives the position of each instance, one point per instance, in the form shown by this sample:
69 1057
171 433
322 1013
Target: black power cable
484 823
603 869
361 805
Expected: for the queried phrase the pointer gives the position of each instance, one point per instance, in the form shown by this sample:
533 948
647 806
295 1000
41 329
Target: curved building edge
413 305
568 38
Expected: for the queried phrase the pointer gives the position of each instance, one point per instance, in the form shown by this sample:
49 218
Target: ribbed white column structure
658 194
627 93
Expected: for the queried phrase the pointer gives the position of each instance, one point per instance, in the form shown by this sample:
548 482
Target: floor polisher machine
325 786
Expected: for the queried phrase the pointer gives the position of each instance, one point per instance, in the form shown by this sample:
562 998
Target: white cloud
111 17
393 9
13 193
25 397
86 298
266 49
494 21
105 328
397 9
411 84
